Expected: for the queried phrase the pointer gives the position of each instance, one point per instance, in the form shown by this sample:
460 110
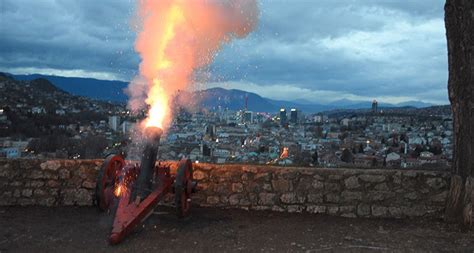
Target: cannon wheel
106 181
183 187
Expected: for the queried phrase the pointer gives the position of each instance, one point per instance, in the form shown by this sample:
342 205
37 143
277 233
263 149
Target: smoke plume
177 37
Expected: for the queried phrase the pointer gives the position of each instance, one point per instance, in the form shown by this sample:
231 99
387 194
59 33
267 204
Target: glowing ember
118 190
284 153
176 38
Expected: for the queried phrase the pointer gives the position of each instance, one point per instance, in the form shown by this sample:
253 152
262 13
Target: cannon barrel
148 160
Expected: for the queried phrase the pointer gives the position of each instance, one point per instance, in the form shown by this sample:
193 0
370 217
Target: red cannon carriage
131 191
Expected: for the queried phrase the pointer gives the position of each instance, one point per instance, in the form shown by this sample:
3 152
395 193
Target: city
78 127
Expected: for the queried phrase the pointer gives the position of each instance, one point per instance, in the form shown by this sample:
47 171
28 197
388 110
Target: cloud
332 49
292 92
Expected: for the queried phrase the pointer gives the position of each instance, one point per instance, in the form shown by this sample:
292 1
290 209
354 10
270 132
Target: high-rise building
114 122
248 117
210 132
294 116
283 117
374 106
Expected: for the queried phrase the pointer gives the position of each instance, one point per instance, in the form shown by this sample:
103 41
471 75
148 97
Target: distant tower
374 106
294 116
246 101
283 118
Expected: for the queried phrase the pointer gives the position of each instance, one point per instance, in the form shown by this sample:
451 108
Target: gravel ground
74 229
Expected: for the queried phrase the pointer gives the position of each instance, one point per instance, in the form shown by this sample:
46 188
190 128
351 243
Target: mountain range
210 98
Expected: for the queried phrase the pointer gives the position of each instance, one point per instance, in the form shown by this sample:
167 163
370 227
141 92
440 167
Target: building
294 116
114 122
11 152
283 116
374 106
248 117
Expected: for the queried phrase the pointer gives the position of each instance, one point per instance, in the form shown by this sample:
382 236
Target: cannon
130 192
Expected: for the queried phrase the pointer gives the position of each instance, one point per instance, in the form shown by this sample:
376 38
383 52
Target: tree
459 21
346 156
315 157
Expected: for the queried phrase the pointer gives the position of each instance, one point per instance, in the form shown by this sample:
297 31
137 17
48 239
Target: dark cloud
355 49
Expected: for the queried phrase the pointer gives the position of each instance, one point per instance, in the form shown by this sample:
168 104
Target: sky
313 51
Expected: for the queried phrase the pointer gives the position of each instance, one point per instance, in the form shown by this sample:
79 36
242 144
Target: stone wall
344 192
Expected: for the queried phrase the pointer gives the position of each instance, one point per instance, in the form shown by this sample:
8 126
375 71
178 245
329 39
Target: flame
118 190
284 153
157 98
176 38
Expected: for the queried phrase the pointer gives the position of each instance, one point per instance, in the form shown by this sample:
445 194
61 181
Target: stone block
332 210
237 187
83 172
35 174
266 199
199 175
436 183
413 211
222 188
267 187
64 174
318 185
262 176
212 200
16 183
316 209
318 178
395 211
26 192
349 215
36 184
224 200
281 185
291 198
379 211
39 192
332 198
50 165
88 184
304 185
352 182
381 187
47 202
83 197
52 183
439 198
347 209
412 196
351 196
315 198
26 202
372 178
234 199
363 210
278 209
335 177
332 186
376 196
295 209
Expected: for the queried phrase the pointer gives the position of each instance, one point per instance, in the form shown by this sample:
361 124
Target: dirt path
70 229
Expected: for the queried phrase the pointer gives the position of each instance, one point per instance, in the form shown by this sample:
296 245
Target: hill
210 98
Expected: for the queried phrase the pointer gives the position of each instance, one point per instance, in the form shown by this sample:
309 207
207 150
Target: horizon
300 102
391 52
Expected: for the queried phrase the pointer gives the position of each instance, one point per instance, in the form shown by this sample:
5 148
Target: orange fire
176 38
118 190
